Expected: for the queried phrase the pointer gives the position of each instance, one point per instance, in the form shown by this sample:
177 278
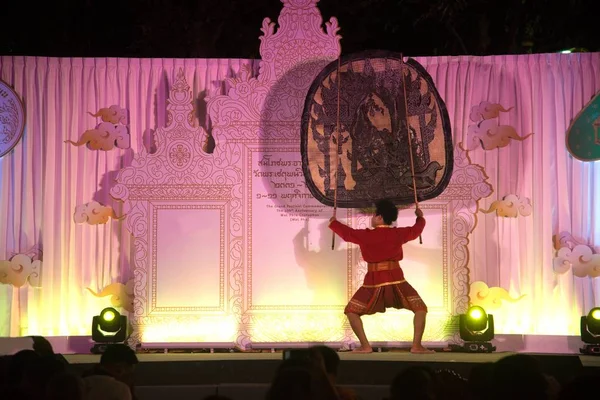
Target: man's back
383 243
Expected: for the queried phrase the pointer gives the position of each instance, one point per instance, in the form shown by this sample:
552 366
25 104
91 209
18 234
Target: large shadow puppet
376 115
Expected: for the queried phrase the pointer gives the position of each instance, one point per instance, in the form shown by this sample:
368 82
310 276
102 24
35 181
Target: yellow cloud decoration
19 270
487 132
113 114
121 294
564 239
105 136
94 213
486 110
510 206
580 259
490 298
490 135
571 254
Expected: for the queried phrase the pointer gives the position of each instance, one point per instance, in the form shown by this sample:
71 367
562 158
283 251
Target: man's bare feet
420 350
362 349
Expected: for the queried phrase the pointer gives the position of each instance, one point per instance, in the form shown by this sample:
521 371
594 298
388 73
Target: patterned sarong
384 287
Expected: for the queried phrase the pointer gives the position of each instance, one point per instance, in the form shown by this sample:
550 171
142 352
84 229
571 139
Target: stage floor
389 356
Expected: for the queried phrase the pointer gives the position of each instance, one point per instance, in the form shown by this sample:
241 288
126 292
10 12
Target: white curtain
43 179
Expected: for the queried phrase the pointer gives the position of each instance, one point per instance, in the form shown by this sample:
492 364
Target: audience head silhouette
301 379
310 374
416 383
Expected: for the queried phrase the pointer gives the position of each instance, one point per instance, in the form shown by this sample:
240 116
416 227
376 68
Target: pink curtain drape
43 179
546 91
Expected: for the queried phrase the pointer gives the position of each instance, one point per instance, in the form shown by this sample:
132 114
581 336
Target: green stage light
476 313
476 328
590 332
108 327
107 315
475 321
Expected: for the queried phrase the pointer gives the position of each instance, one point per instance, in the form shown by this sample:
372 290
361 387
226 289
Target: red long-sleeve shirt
382 243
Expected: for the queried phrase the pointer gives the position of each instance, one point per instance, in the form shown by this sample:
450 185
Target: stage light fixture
107 328
575 50
590 332
476 328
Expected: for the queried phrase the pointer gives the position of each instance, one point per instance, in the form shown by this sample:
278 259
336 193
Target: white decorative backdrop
200 164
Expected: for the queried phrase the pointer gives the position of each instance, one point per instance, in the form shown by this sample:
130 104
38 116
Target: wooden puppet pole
337 150
412 162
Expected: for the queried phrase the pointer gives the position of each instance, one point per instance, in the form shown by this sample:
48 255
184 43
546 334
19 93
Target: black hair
387 210
18 363
331 359
413 383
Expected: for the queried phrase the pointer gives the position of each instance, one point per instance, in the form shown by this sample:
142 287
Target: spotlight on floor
107 328
590 332
476 328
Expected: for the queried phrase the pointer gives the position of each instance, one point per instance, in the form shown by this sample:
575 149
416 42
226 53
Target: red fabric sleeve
345 232
413 232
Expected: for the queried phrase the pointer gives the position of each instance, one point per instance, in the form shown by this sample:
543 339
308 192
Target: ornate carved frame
180 175
262 111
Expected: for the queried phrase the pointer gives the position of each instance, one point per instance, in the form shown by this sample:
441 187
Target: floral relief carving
180 155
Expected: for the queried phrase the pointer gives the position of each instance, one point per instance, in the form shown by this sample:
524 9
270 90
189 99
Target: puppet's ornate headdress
382 122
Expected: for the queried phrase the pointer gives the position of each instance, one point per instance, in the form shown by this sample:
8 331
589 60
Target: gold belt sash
383 266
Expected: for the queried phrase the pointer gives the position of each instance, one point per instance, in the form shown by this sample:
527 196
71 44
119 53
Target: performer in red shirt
384 285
